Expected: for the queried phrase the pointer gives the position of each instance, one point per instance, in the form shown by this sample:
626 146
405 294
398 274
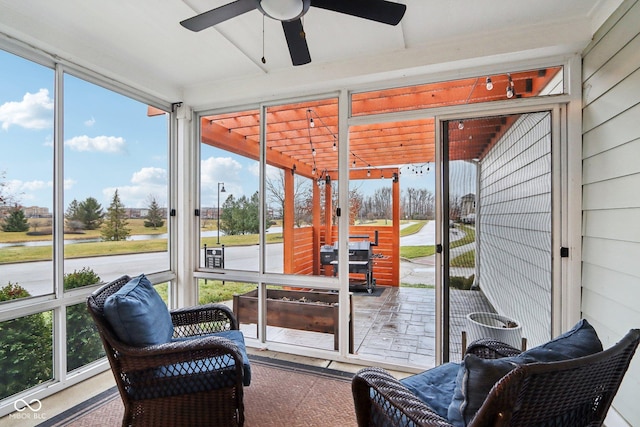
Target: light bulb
460 125
510 87
311 122
313 151
509 92
354 163
335 146
489 83
368 172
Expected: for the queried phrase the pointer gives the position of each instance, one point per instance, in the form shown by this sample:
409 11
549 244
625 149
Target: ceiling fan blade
297 42
219 14
382 11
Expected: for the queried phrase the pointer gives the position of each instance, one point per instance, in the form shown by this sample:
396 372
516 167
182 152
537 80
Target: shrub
462 283
26 349
83 342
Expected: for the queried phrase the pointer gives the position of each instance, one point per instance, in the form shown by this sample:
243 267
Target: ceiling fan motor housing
284 10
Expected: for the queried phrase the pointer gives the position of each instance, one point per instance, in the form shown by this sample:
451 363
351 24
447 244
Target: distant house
467 205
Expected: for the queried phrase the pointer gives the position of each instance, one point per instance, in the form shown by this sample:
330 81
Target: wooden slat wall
304 248
610 189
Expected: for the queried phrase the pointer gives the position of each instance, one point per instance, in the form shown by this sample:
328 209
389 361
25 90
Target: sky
109 144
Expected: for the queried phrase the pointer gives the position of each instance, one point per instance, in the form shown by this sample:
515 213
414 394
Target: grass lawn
15 254
36 253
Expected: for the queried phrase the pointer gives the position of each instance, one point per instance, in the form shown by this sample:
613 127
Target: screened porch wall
514 225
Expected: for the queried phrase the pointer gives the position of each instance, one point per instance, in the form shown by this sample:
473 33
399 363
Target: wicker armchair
576 392
158 383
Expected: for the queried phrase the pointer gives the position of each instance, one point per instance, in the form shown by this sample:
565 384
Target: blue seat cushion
435 386
476 376
195 367
138 315
194 376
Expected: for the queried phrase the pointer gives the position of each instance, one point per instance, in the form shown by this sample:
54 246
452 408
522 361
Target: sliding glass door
498 212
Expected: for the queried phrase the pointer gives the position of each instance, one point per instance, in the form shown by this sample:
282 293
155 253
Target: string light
312 124
511 91
489 83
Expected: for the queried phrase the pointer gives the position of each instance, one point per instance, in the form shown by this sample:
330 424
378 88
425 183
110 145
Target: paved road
37 282
419 271
422 271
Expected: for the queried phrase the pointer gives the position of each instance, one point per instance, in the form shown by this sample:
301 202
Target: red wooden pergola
297 148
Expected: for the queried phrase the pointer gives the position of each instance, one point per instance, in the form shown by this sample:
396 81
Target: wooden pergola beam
220 137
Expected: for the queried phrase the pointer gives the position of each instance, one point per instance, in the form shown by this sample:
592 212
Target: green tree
83 342
26 351
16 221
227 217
73 211
240 216
115 224
154 215
72 216
90 213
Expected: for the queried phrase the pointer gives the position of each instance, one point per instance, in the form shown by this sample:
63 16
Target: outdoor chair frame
575 392
157 384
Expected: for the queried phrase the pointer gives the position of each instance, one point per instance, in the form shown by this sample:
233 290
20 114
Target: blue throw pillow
581 340
138 315
435 386
477 376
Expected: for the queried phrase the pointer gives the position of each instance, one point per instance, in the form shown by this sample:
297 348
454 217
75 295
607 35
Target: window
115 183
26 174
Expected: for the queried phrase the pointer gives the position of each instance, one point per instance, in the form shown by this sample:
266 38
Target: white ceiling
142 44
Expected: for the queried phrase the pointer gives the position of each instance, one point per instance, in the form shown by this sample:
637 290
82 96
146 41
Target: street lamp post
219 191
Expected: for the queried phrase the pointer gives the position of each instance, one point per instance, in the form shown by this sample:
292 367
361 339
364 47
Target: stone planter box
492 325
303 310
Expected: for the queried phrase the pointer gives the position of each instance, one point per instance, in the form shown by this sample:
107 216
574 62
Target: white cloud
35 111
35 185
150 176
25 192
144 183
69 183
220 169
104 144
90 122
254 169
16 186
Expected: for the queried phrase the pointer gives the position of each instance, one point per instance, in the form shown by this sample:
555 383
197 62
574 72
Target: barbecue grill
360 259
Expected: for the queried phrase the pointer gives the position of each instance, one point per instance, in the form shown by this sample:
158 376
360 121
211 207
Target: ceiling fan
289 13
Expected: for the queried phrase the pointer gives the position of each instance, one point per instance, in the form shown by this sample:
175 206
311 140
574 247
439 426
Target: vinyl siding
514 243
611 189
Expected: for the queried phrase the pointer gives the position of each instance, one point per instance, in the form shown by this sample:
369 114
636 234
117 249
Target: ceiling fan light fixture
284 10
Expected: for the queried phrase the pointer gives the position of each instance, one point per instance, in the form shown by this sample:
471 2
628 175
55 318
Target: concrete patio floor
397 324
393 325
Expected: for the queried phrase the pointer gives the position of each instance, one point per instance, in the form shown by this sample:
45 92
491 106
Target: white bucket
495 326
